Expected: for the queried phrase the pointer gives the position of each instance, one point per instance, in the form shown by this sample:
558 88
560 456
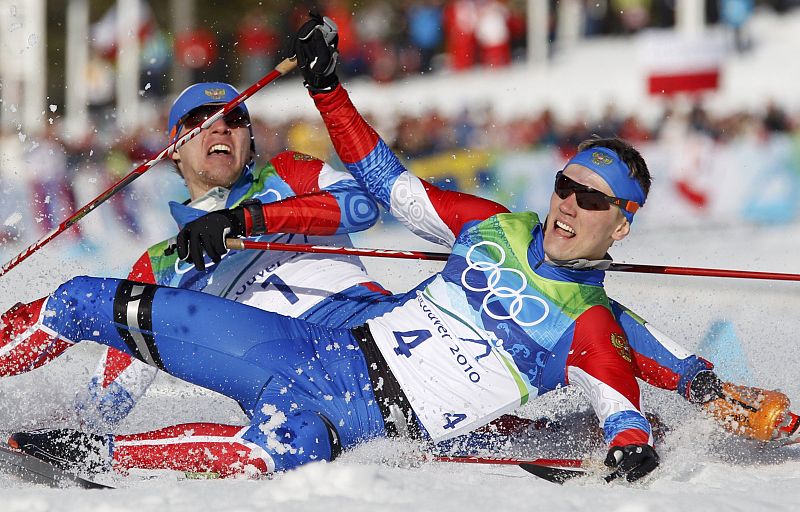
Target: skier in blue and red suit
293 197
518 310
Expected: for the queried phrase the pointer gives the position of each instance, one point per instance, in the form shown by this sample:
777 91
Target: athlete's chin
557 248
223 175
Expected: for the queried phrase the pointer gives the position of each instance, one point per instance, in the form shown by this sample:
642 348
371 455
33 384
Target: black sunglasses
589 198
236 118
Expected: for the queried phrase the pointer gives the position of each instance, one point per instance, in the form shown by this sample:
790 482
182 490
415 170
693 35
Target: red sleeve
599 347
309 214
456 208
602 362
299 171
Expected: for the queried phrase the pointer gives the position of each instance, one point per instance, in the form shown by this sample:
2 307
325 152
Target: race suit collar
581 271
215 199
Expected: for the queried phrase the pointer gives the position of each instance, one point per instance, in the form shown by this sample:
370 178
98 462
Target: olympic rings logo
496 274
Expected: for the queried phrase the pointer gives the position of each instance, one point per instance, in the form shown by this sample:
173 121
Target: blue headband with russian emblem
608 165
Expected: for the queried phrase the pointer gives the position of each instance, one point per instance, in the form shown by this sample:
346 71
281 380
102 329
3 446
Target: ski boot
751 412
67 449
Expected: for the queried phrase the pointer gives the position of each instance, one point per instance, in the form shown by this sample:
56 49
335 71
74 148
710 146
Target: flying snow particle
147 86
12 219
53 108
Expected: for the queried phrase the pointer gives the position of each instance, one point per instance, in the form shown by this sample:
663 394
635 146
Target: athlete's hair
627 153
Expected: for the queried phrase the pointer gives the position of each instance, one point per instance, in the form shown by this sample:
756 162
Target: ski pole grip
234 244
286 65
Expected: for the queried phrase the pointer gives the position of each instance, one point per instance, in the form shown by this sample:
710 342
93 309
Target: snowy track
701 467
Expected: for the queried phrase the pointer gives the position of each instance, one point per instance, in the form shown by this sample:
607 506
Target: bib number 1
281 286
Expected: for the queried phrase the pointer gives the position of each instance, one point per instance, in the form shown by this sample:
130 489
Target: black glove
208 233
705 387
633 460
314 46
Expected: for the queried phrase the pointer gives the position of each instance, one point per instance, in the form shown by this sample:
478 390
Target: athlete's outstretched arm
434 214
326 201
657 359
599 362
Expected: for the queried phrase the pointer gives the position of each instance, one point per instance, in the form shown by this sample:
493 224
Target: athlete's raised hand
315 46
632 461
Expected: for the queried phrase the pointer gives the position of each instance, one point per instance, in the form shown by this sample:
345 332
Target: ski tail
31 469
553 470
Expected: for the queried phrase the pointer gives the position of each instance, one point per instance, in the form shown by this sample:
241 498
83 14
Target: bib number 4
407 340
452 419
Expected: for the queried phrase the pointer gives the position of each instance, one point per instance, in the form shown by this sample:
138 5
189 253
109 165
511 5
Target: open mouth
564 229
219 149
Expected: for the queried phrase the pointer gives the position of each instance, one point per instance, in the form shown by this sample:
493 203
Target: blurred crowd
433 133
56 170
389 39
384 39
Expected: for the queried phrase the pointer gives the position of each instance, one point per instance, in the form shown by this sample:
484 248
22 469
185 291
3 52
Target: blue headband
607 164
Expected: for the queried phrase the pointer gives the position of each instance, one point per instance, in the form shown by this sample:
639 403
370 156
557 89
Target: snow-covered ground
701 467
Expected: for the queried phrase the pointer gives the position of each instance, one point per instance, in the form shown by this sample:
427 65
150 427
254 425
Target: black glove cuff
322 84
255 209
705 387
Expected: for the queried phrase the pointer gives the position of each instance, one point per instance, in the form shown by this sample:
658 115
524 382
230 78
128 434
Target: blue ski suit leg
302 385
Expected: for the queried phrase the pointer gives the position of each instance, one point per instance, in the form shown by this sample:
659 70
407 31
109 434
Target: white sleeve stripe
412 206
668 343
328 176
605 399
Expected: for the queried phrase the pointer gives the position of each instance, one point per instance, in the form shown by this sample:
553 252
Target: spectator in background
459 20
119 162
425 30
377 28
699 120
518 28
610 122
776 120
270 138
350 60
49 181
632 130
257 44
634 15
735 14
493 34
595 17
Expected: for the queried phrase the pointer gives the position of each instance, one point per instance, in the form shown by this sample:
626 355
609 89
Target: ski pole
239 244
281 69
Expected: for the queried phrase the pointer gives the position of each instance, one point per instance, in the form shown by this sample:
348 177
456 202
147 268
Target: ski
36 471
553 470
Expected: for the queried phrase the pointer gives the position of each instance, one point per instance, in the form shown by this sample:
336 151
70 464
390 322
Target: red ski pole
281 69
239 244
